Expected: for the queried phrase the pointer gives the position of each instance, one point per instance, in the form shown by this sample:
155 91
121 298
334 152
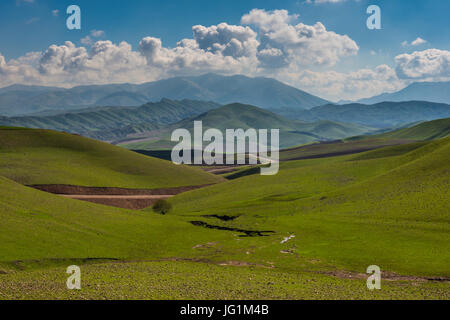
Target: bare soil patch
135 199
104 191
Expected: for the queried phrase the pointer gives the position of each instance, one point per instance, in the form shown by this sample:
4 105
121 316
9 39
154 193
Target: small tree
162 207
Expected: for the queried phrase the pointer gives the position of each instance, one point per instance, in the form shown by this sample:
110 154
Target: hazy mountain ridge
115 122
240 116
380 115
264 92
438 92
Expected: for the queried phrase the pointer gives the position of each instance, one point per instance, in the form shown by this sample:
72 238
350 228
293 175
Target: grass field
36 157
348 212
424 131
193 280
233 240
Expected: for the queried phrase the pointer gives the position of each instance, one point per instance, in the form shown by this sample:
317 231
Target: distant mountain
438 92
240 116
115 122
380 115
264 92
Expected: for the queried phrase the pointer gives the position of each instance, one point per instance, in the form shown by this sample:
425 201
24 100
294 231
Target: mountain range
380 115
112 123
236 115
264 92
125 123
438 92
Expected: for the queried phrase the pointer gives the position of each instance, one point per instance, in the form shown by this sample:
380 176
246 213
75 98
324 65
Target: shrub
162 207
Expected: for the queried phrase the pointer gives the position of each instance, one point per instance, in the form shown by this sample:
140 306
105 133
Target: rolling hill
438 92
380 115
240 116
264 92
40 157
114 123
339 215
387 206
430 130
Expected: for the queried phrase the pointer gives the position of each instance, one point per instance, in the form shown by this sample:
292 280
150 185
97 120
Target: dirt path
86 197
135 199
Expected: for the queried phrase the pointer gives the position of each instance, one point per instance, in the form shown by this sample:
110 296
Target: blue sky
34 25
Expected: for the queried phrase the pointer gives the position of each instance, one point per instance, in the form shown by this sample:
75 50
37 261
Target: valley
325 200
357 185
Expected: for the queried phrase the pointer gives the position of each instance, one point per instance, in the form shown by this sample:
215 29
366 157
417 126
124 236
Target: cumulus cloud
419 41
89 39
354 85
286 44
431 64
235 41
267 43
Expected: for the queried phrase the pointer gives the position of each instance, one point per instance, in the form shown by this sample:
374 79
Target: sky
321 46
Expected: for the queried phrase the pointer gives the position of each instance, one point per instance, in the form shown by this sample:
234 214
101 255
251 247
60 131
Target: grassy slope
340 147
38 225
424 131
348 212
193 281
242 116
46 157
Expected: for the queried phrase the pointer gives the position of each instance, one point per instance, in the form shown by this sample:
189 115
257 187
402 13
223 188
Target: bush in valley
162 207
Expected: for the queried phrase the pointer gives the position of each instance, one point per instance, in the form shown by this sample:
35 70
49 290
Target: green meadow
309 232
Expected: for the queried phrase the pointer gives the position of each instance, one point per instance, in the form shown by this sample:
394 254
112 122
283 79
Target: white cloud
88 40
278 44
268 43
354 85
431 64
55 12
418 42
97 33
286 44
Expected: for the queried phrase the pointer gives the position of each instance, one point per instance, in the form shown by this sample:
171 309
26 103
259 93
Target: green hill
240 116
386 208
39 226
114 123
32 157
346 213
424 131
